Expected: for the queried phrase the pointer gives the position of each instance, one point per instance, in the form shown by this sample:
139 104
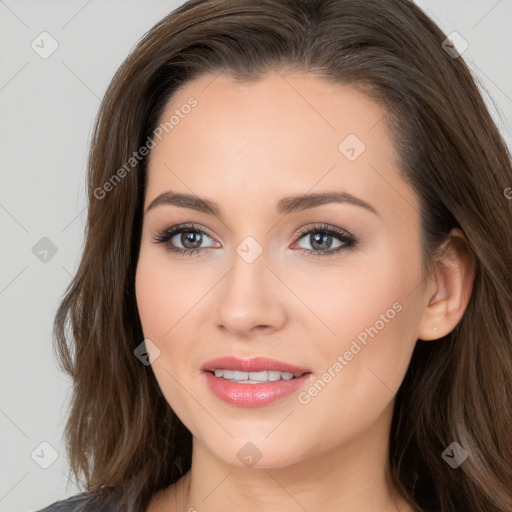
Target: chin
257 452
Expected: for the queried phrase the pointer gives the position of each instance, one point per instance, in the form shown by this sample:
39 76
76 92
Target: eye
320 237
188 235
321 240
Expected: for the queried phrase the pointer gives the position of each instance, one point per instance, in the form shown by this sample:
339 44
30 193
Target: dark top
78 503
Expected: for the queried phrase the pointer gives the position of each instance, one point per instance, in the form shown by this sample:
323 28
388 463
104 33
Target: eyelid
178 228
322 226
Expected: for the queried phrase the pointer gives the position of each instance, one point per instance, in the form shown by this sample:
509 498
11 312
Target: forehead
281 135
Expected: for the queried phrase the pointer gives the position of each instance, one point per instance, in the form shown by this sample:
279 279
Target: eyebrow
284 206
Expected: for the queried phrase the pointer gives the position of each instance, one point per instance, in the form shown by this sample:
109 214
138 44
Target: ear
448 288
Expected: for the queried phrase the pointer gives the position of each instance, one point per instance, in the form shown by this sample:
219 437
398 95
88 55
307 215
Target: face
329 289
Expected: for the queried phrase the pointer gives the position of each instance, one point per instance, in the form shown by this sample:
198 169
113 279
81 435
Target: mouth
253 365
254 377
253 382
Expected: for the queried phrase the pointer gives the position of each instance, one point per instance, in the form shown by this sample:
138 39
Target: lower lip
253 395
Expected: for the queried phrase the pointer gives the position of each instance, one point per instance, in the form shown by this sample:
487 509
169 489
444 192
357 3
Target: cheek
154 303
345 304
373 317
367 307
162 304
361 367
163 296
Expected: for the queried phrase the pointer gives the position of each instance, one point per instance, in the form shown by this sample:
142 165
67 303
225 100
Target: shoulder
77 503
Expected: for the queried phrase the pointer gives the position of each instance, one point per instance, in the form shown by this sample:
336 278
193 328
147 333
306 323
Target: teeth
254 377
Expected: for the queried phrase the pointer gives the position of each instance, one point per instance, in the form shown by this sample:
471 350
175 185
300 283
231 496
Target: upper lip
255 364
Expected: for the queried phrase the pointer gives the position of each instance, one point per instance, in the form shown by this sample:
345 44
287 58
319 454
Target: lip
255 364
252 395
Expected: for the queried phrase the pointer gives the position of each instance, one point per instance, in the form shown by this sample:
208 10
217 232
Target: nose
250 299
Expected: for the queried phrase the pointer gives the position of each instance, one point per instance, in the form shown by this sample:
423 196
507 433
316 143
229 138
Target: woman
341 337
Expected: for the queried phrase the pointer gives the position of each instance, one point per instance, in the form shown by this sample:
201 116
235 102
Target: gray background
47 107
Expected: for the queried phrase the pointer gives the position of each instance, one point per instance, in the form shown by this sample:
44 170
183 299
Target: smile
253 382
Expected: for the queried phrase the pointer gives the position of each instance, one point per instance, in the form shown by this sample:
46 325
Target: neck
351 477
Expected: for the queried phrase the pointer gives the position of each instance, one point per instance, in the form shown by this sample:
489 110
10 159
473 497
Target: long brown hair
123 439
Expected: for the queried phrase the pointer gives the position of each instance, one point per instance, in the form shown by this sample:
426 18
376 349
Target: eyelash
348 240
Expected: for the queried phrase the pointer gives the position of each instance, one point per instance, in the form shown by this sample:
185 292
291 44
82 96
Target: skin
246 146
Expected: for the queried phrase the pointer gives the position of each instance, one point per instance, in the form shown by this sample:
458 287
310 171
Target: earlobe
449 288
